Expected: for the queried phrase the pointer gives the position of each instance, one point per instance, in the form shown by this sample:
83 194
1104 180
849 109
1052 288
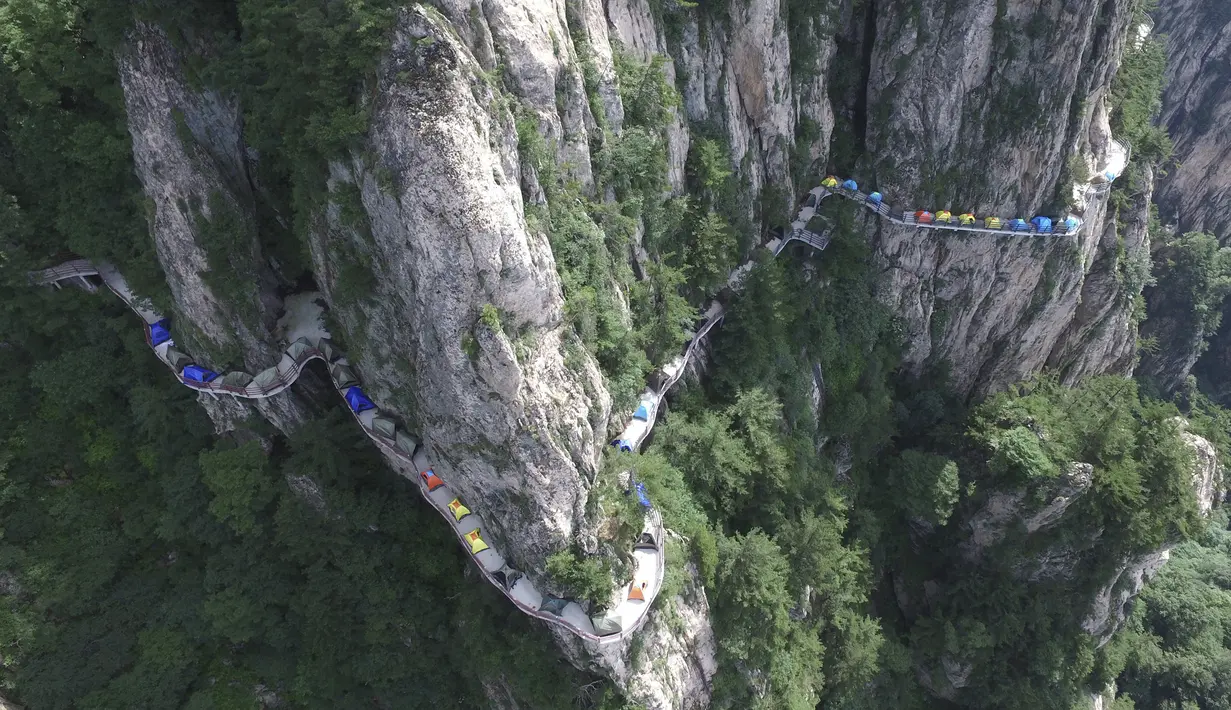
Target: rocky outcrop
191 159
189 154
511 427
1196 193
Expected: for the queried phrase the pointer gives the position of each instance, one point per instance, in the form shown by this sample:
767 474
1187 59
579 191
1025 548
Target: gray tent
406 443
265 379
297 349
235 378
384 426
606 625
331 351
342 376
177 359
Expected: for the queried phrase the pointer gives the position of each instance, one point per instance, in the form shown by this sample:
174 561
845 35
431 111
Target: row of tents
1037 225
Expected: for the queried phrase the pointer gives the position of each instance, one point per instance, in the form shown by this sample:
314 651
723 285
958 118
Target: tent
875 198
622 445
329 350
607 625
459 511
1019 225
236 379
1042 224
851 185
992 223
642 498
1072 223
357 401
342 376
646 542
1111 177
431 480
299 349
553 605
966 218
406 443
637 592
507 577
643 411
196 373
177 359
923 217
476 543
944 216
159 332
384 426
830 181
266 380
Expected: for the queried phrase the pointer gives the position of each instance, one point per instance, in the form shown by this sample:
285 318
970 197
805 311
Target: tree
239 481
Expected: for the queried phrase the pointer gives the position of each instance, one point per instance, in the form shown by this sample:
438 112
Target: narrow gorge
823 353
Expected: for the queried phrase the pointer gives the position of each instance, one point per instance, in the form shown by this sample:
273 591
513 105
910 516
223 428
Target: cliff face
1196 194
191 159
982 115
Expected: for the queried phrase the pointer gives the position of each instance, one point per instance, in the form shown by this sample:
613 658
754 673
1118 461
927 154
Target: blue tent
196 373
1042 224
1019 225
641 495
1111 177
875 198
159 332
622 445
642 413
851 185
358 403
1071 223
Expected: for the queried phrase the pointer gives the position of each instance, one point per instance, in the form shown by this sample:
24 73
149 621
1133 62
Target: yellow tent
830 181
459 511
476 543
992 223
967 218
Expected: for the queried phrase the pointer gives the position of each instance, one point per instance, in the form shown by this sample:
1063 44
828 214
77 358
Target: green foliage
644 90
1136 100
925 485
1177 649
490 317
239 481
583 577
1194 273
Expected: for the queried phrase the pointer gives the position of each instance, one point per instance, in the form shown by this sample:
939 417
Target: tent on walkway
357 401
476 543
196 373
829 181
458 510
607 625
431 480
553 605
159 332
850 185
1019 225
1042 225
637 592
643 411
944 217
343 377
876 198
992 223
966 218
642 498
923 217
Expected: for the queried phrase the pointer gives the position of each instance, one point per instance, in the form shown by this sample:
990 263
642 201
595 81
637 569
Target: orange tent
431 479
637 592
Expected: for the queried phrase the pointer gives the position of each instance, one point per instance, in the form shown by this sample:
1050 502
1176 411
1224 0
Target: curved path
632 601
629 609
